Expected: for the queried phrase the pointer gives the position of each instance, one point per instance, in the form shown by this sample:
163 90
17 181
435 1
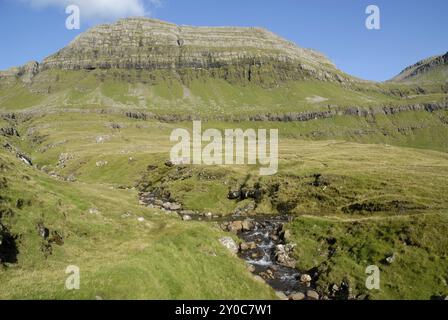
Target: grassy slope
119 257
343 248
365 162
164 92
379 175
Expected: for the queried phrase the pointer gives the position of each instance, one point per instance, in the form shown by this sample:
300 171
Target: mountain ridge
421 68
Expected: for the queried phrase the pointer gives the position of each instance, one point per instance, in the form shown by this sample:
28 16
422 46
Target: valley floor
355 203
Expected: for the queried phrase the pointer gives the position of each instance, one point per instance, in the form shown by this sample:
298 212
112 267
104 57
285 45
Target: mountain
433 69
148 44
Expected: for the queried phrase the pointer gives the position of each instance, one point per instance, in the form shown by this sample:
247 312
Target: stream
265 234
261 241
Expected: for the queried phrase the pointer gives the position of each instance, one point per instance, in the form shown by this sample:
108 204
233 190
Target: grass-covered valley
86 178
374 195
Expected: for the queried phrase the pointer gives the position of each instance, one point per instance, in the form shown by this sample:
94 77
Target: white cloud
94 10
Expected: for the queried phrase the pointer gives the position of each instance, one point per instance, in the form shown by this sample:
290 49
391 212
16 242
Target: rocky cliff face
423 67
141 43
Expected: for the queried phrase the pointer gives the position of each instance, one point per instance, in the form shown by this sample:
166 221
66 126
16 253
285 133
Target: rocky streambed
263 245
270 258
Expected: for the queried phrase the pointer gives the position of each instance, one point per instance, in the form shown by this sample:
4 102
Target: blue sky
410 30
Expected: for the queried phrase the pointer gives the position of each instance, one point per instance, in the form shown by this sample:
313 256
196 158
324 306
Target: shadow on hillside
8 246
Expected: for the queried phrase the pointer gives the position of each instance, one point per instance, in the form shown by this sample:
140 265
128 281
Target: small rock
230 244
305 278
390 259
232 195
94 211
235 226
57 238
175 207
247 225
250 267
255 255
313 295
297 296
282 255
169 163
172 206
101 139
247 246
101 163
141 219
334 288
43 231
186 217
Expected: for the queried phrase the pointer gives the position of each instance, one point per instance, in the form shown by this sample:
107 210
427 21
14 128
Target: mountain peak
143 43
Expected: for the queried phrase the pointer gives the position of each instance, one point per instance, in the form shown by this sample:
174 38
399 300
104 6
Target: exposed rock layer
141 43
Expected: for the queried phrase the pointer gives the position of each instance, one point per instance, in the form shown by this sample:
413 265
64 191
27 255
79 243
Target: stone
171 206
94 211
10 131
255 255
232 195
282 255
169 163
57 238
230 244
298 296
141 219
186 217
267 275
101 139
247 246
247 225
235 226
208 215
305 278
43 231
334 288
312 295
273 237
101 163
390 259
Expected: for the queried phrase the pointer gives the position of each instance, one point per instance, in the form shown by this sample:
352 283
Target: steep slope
433 69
